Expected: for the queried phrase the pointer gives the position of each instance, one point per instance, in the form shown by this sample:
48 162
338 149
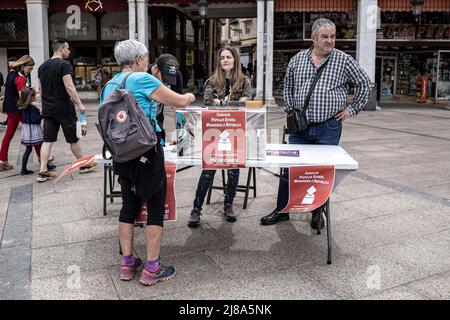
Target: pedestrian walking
59 98
32 135
15 82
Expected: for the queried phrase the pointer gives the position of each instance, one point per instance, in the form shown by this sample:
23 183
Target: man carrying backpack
144 177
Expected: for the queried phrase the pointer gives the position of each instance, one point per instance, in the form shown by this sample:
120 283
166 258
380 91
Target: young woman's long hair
27 96
24 61
237 77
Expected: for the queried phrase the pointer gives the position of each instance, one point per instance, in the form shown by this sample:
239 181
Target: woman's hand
216 102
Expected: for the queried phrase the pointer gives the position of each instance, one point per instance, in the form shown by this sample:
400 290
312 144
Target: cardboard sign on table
224 141
171 204
309 187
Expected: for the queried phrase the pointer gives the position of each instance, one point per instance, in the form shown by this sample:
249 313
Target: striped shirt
330 94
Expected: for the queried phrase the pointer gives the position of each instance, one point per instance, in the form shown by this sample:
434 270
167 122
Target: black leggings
27 153
131 205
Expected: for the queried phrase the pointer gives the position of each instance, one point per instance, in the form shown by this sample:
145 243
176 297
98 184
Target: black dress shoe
317 219
274 217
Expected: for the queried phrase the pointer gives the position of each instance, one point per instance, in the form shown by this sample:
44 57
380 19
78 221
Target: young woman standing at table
228 83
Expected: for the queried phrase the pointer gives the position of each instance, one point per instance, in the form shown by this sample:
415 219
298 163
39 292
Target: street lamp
202 8
417 8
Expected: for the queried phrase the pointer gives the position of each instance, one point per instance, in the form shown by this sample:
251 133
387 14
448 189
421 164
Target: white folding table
308 155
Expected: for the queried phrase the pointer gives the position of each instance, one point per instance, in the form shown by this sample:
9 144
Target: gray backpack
123 125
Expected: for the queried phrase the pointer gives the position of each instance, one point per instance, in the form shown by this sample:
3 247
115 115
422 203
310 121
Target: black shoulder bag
296 119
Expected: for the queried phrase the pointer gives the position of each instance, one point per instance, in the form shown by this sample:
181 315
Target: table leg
254 182
105 188
247 187
111 182
327 215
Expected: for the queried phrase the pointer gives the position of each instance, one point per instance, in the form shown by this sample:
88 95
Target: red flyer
76 165
224 140
309 187
171 204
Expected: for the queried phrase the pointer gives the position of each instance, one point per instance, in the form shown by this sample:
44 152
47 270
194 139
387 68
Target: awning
12 5
315 6
405 5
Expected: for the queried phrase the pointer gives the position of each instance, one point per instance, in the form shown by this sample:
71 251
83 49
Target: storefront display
288 26
387 77
281 60
443 80
84 73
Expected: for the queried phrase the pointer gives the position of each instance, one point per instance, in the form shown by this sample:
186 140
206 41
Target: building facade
92 29
408 47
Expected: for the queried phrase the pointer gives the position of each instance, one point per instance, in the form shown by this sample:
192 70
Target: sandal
5 166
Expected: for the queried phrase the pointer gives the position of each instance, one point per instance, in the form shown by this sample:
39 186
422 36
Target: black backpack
123 125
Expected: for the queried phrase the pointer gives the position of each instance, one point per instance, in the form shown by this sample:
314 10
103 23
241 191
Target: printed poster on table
224 141
309 187
171 204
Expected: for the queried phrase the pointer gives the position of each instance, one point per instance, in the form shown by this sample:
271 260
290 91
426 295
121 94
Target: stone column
366 44
142 21
38 41
260 50
132 32
270 101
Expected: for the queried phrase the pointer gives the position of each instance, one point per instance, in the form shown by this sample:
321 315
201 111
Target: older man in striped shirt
327 107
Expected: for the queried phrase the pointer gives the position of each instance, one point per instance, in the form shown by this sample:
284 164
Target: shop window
114 26
13 26
410 67
84 67
108 64
59 28
345 23
189 31
163 28
402 26
443 81
178 27
288 26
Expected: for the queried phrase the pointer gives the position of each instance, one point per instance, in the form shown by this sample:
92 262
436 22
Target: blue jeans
328 132
205 181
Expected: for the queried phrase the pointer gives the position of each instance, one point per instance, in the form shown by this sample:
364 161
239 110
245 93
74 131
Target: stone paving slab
397 293
435 287
75 285
90 255
193 273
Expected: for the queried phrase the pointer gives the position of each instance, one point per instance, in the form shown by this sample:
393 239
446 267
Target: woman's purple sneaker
127 272
163 273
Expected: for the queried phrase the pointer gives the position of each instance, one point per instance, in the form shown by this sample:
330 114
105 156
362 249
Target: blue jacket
31 115
11 93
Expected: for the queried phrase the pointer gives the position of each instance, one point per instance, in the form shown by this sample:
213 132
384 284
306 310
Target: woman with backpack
144 175
227 84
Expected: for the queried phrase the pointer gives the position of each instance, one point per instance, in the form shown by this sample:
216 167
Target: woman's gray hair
322 22
127 51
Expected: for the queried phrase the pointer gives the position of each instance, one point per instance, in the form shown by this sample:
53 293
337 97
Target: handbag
296 118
